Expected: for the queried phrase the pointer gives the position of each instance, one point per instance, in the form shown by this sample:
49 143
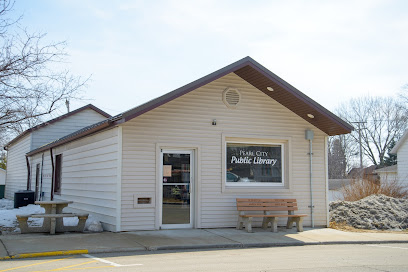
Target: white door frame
192 188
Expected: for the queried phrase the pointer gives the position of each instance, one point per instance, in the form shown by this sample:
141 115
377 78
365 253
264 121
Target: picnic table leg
60 221
53 225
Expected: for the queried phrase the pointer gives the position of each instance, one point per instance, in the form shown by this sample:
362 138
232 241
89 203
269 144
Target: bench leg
248 224
299 224
289 225
81 223
22 222
274 224
265 222
240 223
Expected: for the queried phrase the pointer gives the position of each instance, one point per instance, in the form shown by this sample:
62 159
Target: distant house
181 160
389 173
401 150
366 173
19 169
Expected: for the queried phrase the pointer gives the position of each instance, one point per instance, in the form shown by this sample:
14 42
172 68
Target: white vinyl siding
402 157
187 121
45 189
68 125
89 175
16 177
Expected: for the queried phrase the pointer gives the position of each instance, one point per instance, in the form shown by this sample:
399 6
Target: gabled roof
59 118
261 78
400 142
252 72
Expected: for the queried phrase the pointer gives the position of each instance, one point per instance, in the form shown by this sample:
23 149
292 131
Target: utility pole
359 141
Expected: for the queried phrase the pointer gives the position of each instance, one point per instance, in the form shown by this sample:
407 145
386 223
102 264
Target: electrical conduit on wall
309 136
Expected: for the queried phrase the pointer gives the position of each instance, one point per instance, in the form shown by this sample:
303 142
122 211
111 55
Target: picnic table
53 218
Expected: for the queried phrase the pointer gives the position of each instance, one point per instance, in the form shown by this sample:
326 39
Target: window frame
258 183
250 188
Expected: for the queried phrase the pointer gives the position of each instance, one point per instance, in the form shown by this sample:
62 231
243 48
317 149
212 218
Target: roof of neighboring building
59 118
252 72
356 172
388 169
401 141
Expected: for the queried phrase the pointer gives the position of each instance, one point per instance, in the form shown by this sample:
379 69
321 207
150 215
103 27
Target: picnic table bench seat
249 208
55 224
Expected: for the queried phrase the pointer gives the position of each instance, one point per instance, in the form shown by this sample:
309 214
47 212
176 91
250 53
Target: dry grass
361 188
344 227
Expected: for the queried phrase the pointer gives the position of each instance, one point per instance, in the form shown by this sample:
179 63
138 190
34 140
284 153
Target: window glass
254 163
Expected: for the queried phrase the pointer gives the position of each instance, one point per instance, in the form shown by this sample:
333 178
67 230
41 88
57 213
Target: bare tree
342 151
385 121
31 84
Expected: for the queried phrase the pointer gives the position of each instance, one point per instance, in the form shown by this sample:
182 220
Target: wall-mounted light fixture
311 116
270 89
214 122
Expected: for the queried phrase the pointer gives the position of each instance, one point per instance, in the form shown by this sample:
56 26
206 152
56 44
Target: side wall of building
186 122
16 177
89 175
68 125
402 157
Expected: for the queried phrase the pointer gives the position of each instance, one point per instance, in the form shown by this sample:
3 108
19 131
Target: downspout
41 178
52 175
309 136
28 173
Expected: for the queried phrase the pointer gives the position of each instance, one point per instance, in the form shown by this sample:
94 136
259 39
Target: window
58 172
254 164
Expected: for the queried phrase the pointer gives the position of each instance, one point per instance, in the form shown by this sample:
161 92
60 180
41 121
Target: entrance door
177 189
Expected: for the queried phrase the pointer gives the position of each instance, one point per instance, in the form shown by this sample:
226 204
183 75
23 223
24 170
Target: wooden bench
249 208
52 222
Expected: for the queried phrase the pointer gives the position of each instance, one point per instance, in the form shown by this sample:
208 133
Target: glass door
177 182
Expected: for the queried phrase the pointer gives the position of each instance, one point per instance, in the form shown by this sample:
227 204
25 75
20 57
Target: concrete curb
45 254
189 247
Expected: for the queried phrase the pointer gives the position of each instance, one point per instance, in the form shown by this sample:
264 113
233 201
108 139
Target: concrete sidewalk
37 245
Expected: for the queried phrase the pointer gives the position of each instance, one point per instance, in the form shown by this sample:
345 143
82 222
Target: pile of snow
8 219
375 212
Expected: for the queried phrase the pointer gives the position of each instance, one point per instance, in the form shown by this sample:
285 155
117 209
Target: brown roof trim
59 118
132 113
257 75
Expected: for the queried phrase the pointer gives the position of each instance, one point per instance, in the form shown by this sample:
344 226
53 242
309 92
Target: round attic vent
231 97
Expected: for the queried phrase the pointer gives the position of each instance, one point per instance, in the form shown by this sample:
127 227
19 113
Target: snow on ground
8 219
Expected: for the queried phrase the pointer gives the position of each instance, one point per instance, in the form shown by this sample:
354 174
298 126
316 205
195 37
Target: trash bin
23 198
2 189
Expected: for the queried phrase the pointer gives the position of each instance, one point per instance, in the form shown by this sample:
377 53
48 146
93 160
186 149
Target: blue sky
138 50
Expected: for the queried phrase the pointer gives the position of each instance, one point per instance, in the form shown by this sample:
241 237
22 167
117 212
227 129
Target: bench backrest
256 204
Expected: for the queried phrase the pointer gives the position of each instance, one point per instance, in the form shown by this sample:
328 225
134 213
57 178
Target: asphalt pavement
38 244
